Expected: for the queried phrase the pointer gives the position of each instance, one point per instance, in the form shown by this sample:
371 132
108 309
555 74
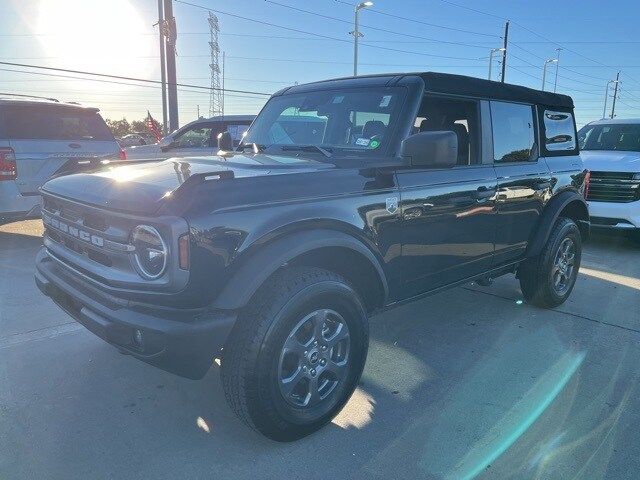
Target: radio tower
215 97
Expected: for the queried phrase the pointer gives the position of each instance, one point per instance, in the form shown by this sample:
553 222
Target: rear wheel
296 354
548 279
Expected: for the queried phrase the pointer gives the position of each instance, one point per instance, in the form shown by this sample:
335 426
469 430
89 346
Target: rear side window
559 131
54 123
198 136
513 132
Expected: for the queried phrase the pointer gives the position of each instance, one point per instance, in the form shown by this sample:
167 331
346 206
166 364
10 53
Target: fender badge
392 204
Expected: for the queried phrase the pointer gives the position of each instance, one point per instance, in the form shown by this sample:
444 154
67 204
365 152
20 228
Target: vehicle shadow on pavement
468 383
12 242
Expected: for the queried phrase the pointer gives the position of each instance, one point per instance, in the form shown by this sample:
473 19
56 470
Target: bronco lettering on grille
73 231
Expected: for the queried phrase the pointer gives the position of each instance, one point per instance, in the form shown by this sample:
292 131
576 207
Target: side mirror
166 143
225 142
431 149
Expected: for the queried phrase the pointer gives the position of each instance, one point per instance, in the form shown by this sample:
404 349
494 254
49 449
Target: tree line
122 127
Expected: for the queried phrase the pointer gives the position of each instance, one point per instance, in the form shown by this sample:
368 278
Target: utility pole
224 55
504 51
606 97
198 107
170 45
356 34
615 95
555 82
493 50
163 74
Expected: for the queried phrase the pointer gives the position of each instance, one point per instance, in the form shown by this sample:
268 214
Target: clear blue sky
117 37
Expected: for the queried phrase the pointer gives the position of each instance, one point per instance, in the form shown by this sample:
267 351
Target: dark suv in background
271 256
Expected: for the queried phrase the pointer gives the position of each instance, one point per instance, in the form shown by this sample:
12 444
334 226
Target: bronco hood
142 188
611 161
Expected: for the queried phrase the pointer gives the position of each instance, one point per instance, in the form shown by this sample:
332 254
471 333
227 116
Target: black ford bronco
345 197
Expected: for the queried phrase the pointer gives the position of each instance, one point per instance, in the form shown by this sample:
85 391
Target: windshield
356 121
624 137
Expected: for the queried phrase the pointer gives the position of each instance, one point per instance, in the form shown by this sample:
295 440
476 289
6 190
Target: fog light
137 337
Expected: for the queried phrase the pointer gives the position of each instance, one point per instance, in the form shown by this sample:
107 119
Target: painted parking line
39 334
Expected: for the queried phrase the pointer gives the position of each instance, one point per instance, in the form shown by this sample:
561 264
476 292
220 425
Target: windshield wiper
307 148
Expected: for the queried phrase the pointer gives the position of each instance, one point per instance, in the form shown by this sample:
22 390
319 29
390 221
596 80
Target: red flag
153 126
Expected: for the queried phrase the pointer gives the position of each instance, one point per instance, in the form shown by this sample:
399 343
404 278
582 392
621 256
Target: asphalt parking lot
468 383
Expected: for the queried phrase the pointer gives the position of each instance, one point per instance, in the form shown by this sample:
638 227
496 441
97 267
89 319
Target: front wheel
548 279
296 354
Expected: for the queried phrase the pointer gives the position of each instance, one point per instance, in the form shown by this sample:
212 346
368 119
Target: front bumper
180 341
620 216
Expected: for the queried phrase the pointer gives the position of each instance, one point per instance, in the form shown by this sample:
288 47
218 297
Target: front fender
260 265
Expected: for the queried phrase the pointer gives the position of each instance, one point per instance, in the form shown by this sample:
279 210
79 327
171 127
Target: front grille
616 187
83 232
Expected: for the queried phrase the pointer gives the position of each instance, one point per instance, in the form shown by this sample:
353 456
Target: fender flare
549 216
260 265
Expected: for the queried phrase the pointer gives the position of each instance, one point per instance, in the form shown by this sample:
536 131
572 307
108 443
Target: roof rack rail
29 96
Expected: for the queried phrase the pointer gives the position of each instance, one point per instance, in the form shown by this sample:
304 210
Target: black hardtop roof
447 83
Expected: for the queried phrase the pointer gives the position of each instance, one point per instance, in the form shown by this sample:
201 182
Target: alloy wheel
563 266
314 359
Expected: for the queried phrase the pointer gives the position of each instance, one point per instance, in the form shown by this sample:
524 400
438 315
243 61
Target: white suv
40 138
610 149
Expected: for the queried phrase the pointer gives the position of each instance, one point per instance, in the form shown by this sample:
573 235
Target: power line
262 22
373 10
435 40
445 27
119 77
473 10
533 32
563 67
111 81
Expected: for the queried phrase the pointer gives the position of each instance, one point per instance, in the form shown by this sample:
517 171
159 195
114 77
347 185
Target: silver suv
40 138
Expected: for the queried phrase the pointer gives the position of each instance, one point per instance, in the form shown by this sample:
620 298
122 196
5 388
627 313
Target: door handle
484 193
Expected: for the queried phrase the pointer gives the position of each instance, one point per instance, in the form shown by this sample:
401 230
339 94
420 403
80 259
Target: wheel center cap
314 357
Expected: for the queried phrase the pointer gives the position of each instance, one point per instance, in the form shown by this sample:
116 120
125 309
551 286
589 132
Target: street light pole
544 70
356 34
493 50
555 82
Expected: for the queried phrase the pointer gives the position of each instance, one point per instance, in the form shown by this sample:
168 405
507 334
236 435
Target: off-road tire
535 274
249 365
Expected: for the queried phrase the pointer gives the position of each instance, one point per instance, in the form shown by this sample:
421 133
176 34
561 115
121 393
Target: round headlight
151 252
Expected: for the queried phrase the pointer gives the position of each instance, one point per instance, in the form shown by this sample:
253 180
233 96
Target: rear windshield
53 123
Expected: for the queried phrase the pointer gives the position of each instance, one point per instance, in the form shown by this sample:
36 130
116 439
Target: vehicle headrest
628 141
460 131
428 125
372 128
